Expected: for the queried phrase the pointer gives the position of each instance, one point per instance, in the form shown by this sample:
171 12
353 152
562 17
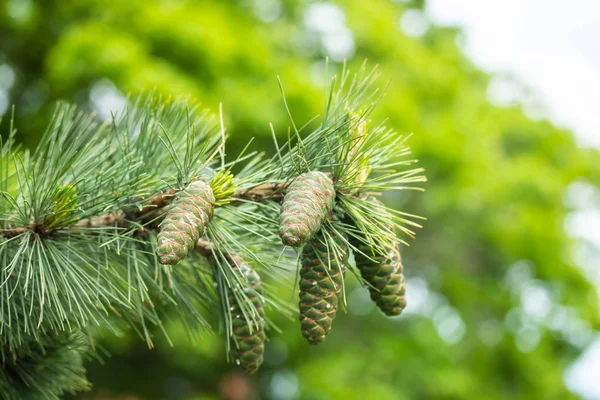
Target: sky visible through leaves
558 59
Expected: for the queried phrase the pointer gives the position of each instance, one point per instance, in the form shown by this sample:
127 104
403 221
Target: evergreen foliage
44 368
95 218
499 205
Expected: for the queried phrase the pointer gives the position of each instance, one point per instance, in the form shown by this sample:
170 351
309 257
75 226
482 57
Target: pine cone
185 222
247 340
382 272
307 202
321 283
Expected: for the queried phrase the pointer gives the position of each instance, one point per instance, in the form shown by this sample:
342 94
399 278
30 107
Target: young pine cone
321 281
185 222
248 335
307 202
382 271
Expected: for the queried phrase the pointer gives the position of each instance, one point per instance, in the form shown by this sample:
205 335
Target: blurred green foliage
494 242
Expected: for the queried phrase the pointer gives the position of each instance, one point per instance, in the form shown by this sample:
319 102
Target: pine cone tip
168 260
168 253
290 239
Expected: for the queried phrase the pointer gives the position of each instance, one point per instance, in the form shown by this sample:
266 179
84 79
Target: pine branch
265 191
154 208
262 192
119 224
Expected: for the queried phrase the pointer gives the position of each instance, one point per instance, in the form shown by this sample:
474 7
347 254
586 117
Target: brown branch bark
117 219
109 219
267 191
12 232
205 247
157 202
152 210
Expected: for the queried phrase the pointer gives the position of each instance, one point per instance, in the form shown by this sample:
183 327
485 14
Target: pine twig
159 201
205 247
260 193
267 191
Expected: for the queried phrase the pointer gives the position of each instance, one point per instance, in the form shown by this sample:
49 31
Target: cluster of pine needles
118 225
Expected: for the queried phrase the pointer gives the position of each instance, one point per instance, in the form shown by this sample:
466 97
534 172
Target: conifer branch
119 224
262 192
153 207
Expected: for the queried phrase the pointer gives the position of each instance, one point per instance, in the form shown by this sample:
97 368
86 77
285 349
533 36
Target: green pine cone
307 202
247 340
383 273
185 222
321 283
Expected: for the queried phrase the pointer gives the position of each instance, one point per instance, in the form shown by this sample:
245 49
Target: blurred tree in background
498 307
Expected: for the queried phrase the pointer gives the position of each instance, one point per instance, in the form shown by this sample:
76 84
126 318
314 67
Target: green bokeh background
498 306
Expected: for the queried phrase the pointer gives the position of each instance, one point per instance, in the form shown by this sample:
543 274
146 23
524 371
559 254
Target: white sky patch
585 224
582 377
329 21
414 23
106 99
3 102
550 45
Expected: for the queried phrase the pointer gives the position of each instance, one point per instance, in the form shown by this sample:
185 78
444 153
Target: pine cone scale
382 273
321 282
185 222
306 204
248 336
